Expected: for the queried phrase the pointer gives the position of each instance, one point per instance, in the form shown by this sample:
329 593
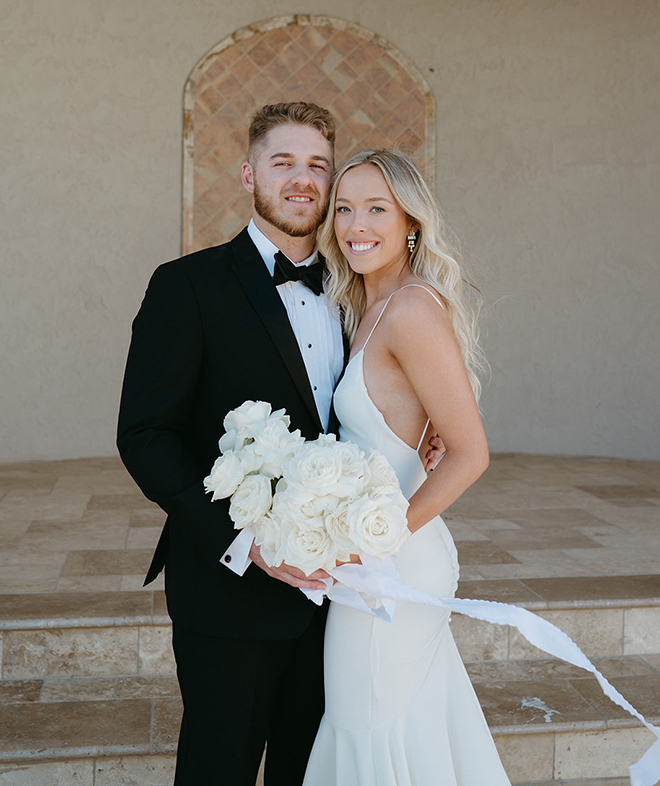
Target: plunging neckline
359 353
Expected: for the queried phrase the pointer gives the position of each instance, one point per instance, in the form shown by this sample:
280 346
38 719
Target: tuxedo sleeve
154 435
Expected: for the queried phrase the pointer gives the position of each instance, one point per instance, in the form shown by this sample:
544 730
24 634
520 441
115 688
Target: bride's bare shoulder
417 302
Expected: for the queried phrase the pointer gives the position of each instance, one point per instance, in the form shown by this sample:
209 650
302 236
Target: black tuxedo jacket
212 332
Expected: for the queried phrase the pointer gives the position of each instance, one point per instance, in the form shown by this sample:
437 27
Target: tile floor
83 526
550 533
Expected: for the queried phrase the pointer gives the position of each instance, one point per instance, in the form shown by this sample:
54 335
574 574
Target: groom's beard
299 226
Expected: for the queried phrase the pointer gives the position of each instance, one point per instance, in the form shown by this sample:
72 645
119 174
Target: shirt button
314 387
303 302
228 558
309 346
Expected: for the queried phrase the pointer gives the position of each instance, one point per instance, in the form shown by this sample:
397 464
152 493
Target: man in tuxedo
216 328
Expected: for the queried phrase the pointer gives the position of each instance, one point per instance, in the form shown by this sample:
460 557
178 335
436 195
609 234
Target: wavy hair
431 261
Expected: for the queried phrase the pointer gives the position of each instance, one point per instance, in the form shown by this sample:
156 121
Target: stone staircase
89 696
551 720
88 690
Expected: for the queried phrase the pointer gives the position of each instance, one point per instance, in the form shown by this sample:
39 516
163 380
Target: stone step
581 782
605 616
123 633
88 691
86 634
159 771
549 720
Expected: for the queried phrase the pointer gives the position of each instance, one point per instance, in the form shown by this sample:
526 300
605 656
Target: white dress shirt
316 325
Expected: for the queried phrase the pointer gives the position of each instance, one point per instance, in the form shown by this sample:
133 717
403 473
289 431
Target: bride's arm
420 337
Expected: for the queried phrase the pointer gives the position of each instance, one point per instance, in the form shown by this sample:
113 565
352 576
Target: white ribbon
374 588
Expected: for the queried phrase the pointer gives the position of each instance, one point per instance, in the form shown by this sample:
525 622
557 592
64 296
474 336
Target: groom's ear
247 177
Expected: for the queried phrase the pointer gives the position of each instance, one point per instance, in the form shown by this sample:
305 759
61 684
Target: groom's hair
299 112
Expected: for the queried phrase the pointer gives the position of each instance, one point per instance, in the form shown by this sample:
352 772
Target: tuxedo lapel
253 275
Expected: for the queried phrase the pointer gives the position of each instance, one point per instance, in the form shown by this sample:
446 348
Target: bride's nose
357 224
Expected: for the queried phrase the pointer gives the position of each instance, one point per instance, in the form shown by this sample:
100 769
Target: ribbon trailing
356 584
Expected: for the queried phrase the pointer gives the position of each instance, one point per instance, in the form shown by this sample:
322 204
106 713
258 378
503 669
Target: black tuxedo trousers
211 333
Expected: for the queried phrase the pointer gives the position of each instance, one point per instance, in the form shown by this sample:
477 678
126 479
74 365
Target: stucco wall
548 164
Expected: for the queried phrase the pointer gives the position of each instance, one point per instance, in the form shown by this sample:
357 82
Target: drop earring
412 239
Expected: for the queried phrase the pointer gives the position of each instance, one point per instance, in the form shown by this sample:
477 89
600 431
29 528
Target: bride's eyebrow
370 199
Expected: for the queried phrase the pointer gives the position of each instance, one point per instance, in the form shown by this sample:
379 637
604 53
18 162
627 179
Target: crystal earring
412 239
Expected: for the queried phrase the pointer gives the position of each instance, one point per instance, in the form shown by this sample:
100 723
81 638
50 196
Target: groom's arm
153 437
162 373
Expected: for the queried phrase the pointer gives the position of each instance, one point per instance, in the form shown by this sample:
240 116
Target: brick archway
378 97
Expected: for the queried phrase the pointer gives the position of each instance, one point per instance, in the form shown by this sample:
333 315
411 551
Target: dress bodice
362 423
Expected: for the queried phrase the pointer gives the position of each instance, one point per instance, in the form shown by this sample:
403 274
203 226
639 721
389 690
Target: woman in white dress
400 709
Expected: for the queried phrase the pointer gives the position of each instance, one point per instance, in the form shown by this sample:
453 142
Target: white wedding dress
400 708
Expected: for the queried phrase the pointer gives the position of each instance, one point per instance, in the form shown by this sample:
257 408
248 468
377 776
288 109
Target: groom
224 325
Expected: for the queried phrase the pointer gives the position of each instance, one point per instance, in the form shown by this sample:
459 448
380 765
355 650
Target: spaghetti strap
421 439
426 289
382 311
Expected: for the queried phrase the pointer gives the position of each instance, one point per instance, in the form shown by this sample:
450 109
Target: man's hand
288 574
434 456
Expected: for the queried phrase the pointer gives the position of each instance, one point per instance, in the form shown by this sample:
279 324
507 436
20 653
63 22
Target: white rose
314 469
289 500
251 418
382 478
297 507
324 440
354 469
251 461
231 441
309 549
378 525
268 533
247 415
336 524
320 506
251 500
226 475
274 446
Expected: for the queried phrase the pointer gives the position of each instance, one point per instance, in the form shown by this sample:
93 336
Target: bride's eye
342 209
377 209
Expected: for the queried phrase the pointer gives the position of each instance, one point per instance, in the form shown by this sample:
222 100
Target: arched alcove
378 97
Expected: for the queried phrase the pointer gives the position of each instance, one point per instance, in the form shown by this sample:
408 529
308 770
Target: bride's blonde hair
431 260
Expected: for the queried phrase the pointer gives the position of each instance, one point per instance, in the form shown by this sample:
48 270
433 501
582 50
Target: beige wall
548 164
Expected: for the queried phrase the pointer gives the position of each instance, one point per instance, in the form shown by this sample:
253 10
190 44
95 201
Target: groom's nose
301 176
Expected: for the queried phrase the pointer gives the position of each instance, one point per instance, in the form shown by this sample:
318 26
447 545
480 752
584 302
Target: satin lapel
253 275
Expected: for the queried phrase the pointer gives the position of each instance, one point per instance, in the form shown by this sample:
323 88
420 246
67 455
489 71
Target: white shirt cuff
237 556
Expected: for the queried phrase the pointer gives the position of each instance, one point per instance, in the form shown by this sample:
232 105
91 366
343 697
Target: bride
400 709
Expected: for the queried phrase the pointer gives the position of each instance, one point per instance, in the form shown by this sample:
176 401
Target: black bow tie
310 275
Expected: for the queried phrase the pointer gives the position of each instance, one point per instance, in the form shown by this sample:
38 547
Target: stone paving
87 668
82 525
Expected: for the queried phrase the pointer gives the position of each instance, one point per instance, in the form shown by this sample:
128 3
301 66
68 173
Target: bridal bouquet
309 503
